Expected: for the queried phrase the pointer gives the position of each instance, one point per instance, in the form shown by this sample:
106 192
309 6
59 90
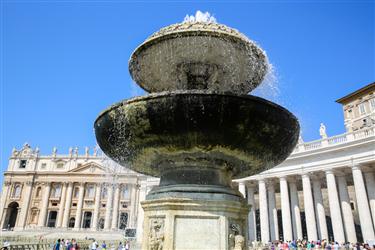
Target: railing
334 140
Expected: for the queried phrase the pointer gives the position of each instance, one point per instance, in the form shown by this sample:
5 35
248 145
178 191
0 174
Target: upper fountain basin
242 135
198 55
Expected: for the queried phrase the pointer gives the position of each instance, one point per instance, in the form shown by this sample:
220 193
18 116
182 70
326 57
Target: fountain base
182 223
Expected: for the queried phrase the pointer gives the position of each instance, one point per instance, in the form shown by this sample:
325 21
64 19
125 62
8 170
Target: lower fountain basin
230 136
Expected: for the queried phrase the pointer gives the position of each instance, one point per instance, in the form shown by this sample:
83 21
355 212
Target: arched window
16 191
72 222
104 193
101 223
125 194
90 191
38 191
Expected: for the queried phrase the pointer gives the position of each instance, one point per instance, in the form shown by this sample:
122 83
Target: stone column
334 208
242 188
370 184
296 212
44 206
61 206
108 212
363 206
98 191
133 205
285 210
4 197
319 208
251 219
26 195
309 209
68 202
116 201
142 197
263 212
346 209
272 212
77 223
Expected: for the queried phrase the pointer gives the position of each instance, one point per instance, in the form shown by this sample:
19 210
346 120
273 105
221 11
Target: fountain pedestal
181 223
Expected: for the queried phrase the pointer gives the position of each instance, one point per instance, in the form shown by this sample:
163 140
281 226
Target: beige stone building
359 108
324 190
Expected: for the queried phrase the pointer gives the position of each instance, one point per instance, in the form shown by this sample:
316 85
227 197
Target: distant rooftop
356 93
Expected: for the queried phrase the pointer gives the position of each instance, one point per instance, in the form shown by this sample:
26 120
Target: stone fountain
197 130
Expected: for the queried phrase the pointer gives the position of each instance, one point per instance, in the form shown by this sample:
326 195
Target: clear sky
62 62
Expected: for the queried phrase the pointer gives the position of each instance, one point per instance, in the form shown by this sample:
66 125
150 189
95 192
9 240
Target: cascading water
197 130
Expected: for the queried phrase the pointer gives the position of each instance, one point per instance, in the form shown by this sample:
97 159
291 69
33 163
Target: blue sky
62 62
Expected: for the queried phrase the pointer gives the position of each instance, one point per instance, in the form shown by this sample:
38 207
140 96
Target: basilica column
98 190
334 208
133 205
116 201
61 206
296 213
251 217
370 184
272 212
363 206
4 197
263 212
346 209
319 209
309 208
108 212
77 223
68 202
44 206
285 210
25 204
142 197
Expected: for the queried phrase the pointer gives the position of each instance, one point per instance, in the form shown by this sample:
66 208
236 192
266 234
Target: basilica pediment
89 168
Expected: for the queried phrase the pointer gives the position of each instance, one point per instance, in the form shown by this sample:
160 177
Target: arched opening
101 223
86 219
52 219
38 191
71 222
123 221
11 216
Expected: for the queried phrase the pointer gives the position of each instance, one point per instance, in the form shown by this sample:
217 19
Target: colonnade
340 207
65 208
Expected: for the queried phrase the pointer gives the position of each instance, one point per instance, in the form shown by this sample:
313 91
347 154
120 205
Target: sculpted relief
156 236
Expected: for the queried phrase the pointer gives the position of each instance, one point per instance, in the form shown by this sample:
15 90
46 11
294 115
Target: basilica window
90 191
72 222
34 216
60 165
23 163
56 191
125 194
76 192
104 193
16 191
43 166
38 191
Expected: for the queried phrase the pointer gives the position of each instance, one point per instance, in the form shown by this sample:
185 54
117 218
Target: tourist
6 245
74 245
127 245
57 245
94 245
119 246
104 246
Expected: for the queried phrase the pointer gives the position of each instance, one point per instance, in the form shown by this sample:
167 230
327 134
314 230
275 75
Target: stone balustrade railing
335 140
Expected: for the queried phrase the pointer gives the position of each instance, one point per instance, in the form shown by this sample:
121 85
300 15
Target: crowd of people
62 244
323 244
